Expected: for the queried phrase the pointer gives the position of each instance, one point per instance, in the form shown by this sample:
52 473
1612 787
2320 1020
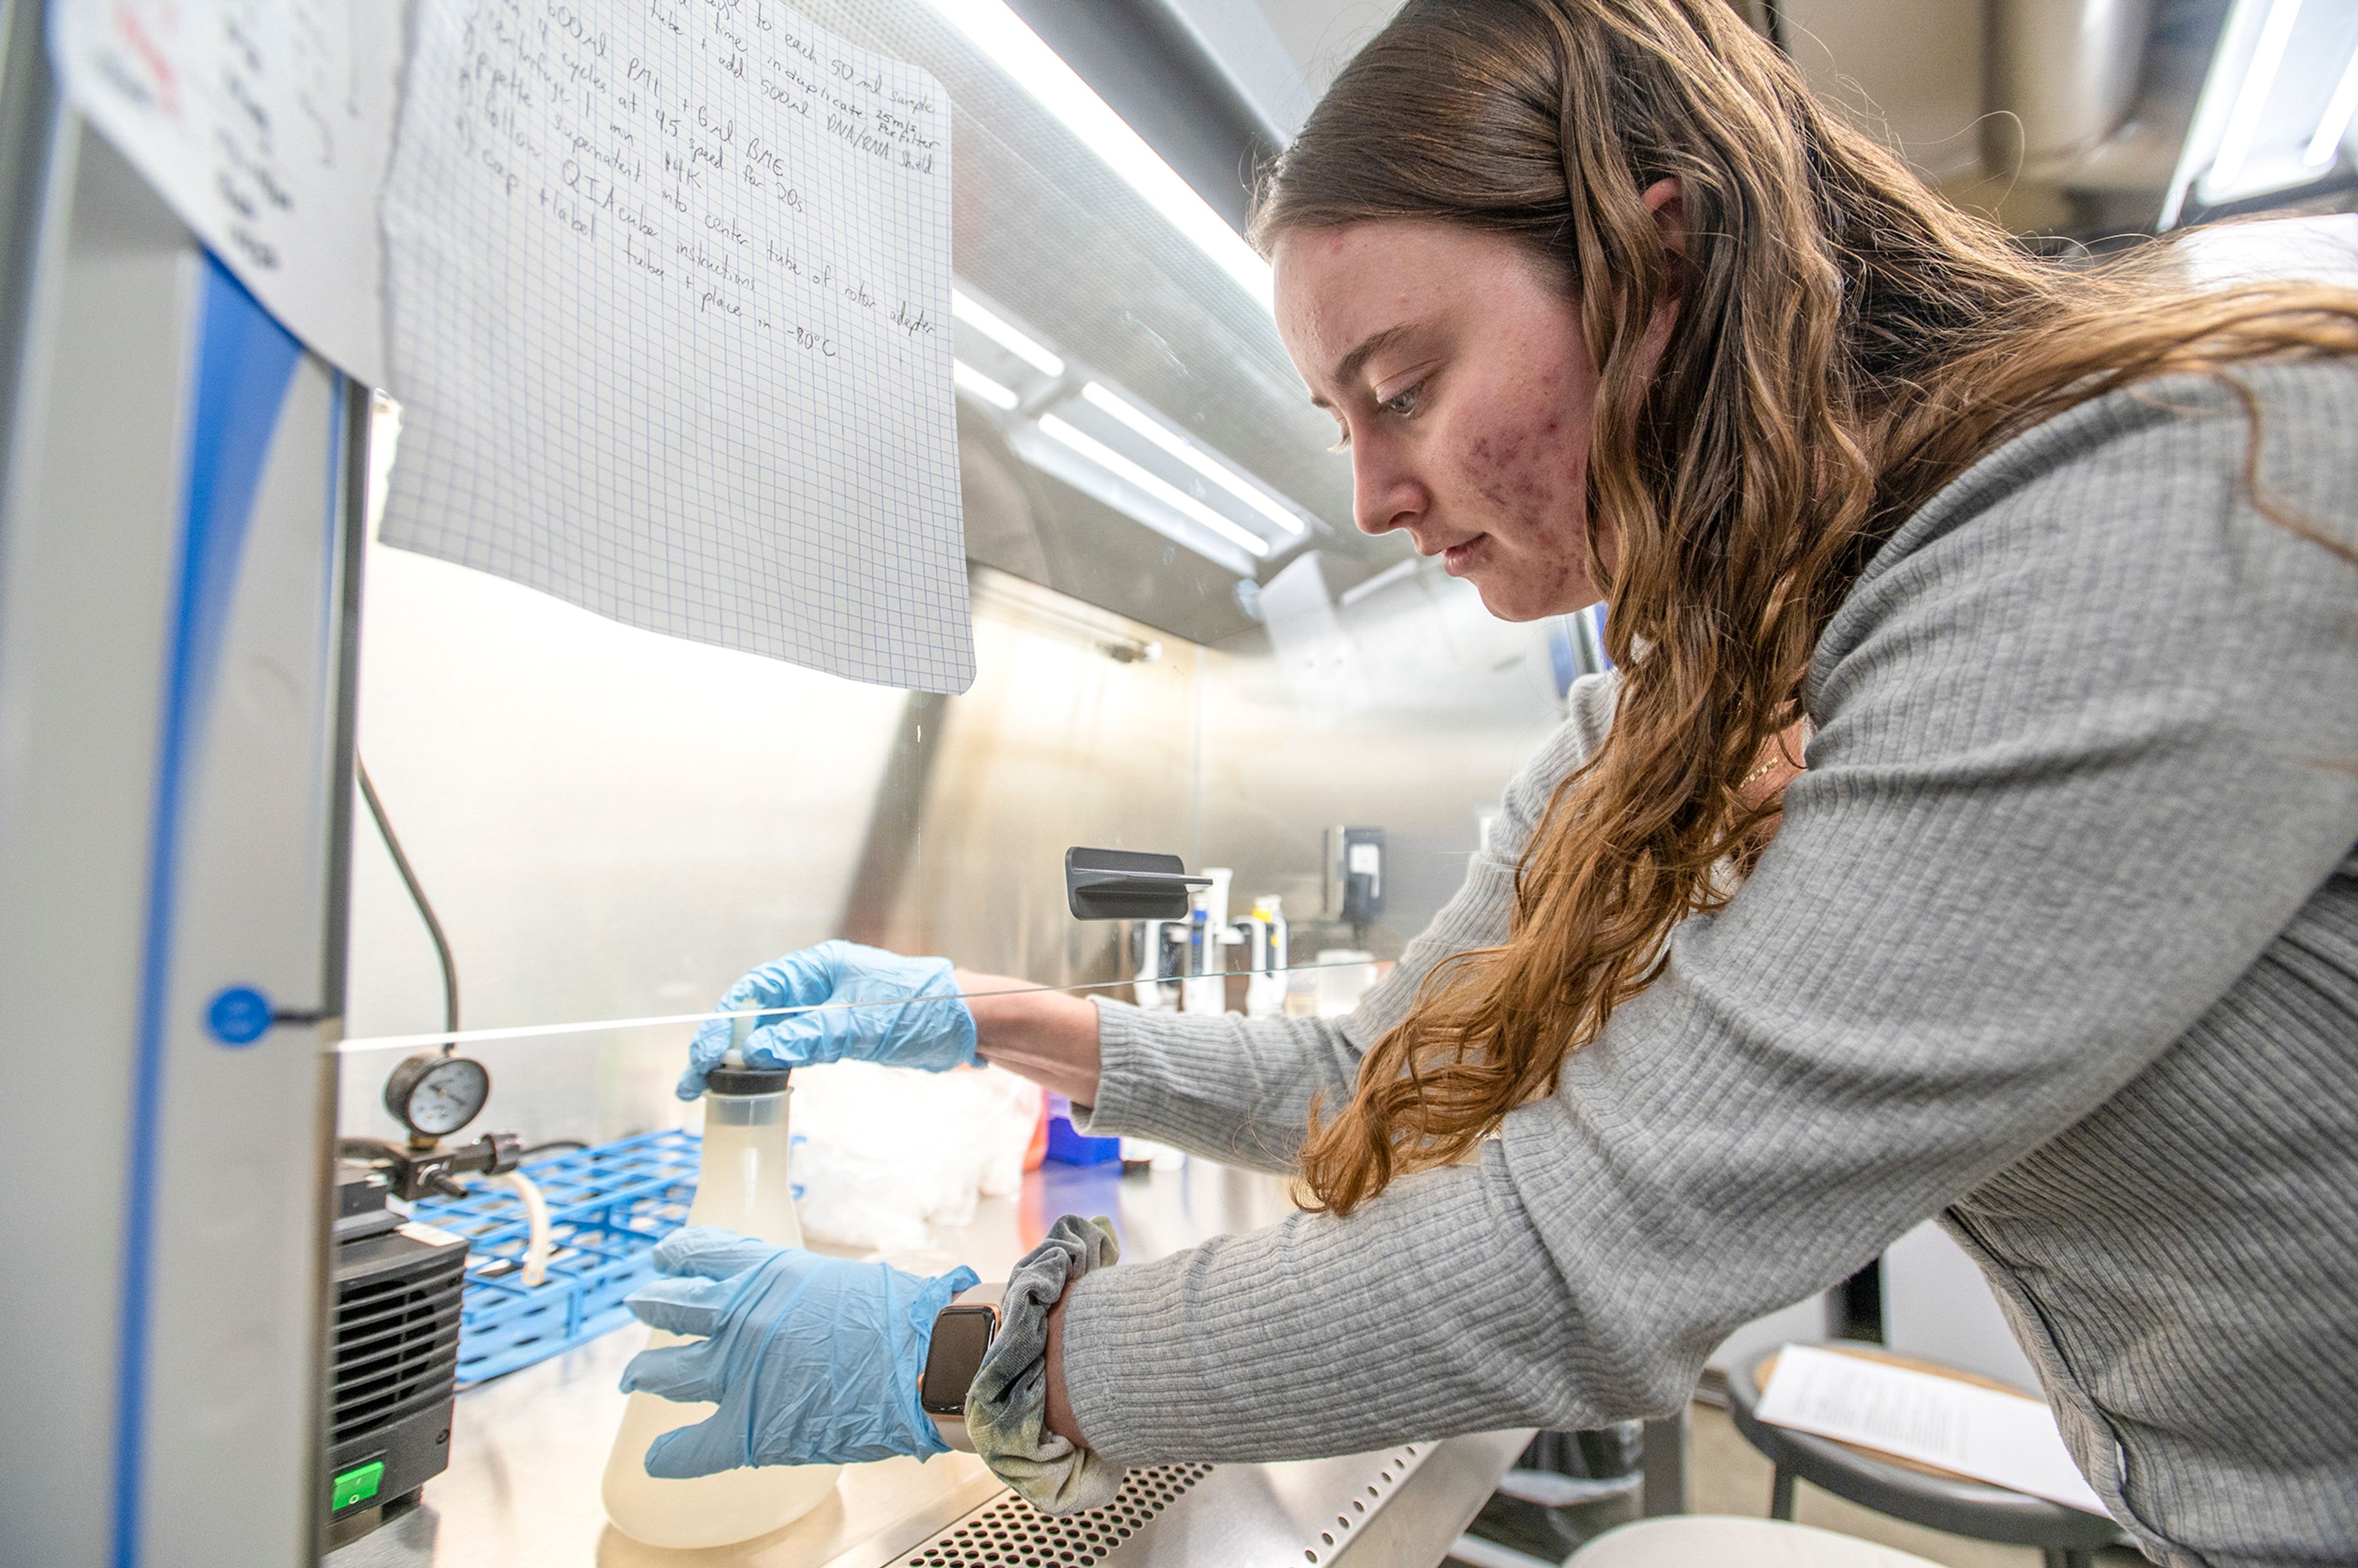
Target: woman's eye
1400 405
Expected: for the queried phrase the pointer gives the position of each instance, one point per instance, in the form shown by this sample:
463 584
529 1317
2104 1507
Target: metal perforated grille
1395 1470
1011 1533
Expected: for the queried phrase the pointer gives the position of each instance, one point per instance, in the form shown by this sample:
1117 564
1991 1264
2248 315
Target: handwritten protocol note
670 289
2009 1439
265 126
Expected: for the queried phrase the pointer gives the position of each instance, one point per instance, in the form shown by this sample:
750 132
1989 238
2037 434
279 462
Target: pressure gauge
434 1096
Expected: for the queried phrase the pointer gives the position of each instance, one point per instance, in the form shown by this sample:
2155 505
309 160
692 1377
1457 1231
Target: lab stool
1701 1540
1920 1494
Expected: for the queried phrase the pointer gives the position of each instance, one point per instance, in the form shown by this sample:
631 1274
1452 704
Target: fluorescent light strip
2336 122
1193 456
1163 489
2259 77
1017 51
1006 335
972 381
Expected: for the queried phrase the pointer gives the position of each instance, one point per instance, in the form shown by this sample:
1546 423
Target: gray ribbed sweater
2059 942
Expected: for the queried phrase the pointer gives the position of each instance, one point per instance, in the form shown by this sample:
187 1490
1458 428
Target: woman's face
1455 363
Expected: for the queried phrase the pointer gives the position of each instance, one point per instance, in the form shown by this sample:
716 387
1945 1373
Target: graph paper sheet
670 289
265 124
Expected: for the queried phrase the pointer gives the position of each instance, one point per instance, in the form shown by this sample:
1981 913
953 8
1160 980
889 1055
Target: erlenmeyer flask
742 1187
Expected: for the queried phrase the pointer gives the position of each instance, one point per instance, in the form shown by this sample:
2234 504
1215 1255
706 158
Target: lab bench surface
528 1449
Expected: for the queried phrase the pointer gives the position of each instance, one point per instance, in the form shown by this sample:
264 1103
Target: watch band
976 1306
952 1431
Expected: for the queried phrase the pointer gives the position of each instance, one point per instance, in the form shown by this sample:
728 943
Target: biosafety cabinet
202 930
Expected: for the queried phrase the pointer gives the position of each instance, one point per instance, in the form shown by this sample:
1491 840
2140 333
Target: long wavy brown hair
1845 344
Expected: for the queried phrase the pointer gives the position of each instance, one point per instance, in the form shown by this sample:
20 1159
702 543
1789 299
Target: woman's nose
1384 494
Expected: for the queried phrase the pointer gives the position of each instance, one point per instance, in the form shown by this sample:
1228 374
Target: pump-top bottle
742 1186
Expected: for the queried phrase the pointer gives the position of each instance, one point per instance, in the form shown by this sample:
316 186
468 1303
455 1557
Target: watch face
961 1336
446 1097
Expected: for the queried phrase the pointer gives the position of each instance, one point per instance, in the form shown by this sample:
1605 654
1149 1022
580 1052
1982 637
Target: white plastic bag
888 1155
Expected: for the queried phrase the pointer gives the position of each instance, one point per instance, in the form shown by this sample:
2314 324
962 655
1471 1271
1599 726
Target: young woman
2046 573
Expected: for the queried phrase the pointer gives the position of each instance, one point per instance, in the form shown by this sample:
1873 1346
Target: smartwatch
962 1335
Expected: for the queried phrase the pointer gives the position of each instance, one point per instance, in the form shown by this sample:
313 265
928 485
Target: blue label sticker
238 1016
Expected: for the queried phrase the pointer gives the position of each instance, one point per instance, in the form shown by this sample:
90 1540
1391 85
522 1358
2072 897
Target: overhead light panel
2259 77
973 382
1006 334
2278 100
1195 456
1016 50
2335 125
1152 484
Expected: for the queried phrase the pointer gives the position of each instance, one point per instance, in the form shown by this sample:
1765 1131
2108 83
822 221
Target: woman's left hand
813 1360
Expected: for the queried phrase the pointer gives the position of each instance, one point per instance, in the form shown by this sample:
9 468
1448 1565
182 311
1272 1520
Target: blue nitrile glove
933 1031
813 1360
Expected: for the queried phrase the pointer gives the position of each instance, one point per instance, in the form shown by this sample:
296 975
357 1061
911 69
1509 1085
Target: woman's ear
1665 198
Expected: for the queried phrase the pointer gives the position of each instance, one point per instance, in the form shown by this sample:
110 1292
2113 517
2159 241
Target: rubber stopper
734 1080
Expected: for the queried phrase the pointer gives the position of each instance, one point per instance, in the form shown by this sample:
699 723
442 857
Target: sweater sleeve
2084 747
1238 1090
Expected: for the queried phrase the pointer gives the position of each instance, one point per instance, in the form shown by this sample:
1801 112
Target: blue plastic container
1068 1147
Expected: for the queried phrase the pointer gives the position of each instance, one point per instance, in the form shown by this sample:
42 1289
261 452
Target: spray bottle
1265 933
1206 988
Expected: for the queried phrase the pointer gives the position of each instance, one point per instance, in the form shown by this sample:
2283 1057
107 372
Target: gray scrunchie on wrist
1007 1407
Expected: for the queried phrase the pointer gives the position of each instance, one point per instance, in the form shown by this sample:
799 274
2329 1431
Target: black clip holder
1123 885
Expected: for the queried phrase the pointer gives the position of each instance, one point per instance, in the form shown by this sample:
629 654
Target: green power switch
355 1486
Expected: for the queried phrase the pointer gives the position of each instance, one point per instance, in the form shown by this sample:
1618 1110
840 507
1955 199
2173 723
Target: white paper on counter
670 291
265 126
2007 1438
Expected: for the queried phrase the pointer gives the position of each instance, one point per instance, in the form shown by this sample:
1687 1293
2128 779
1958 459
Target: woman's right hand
811 1360
856 990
